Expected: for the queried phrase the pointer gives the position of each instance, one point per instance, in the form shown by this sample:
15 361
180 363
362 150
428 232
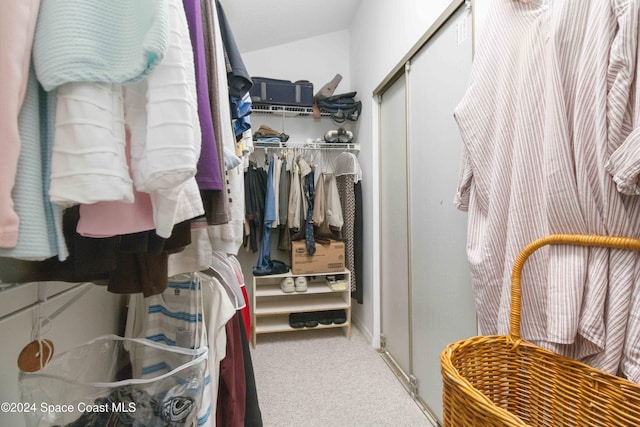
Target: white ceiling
258 24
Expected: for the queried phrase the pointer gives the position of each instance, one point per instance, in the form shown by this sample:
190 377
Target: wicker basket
505 381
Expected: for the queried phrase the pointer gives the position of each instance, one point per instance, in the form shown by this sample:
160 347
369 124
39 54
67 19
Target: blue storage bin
281 92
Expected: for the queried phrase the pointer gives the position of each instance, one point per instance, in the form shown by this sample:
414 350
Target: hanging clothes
319 207
194 257
228 237
216 205
232 392
252 412
209 175
114 49
222 268
170 318
238 77
298 202
295 199
266 265
240 113
327 209
348 202
277 172
163 152
132 49
284 238
127 264
255 192
39 233
358 245
17 24
309 194
107 219
549 110
348 172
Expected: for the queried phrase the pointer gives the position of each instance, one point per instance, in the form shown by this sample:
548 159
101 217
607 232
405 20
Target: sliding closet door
442 302
394 258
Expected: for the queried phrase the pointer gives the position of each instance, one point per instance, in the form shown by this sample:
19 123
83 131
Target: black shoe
311 319
296 320
324 317
338 316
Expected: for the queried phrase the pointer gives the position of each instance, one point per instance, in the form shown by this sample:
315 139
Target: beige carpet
320 378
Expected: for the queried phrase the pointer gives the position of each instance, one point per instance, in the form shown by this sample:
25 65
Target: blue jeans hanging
266 265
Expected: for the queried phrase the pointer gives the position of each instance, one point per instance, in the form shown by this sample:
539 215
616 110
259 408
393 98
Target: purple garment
209 175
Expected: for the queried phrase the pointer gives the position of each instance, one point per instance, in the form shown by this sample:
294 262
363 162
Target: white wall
96 313
316 59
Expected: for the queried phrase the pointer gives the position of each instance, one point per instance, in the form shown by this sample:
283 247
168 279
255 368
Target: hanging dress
348 172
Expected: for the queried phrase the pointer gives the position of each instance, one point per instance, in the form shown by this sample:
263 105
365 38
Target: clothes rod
61 294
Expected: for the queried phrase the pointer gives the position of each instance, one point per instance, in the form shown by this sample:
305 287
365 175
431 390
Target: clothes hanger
182 277
219 261
332 162
213 274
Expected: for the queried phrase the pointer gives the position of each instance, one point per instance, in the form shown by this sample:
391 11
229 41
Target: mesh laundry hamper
96 385
505 381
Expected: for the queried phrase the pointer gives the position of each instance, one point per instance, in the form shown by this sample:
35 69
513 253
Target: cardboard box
329 258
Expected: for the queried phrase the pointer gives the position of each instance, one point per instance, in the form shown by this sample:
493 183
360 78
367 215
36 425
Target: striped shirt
551 100
175 318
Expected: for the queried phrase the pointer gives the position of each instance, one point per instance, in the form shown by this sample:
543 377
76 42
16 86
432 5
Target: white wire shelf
285 110
341 146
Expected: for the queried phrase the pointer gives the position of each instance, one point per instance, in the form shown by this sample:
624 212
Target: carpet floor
319 378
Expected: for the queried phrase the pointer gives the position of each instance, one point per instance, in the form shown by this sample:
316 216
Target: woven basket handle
556 239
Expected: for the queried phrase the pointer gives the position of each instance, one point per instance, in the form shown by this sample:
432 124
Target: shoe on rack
325 318
287 285
301 284
297 320
338 317
311 319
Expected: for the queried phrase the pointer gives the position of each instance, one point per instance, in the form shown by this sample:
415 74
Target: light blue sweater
113 41
40 233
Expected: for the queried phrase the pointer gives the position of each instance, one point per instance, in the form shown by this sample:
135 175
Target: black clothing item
212 200
128 264
128 406
147 272
284 239
358 243
255 188
284 187
238 77
273 267
309 194
342 107
252 413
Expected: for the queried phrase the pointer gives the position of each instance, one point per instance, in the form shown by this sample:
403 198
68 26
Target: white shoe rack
271 306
